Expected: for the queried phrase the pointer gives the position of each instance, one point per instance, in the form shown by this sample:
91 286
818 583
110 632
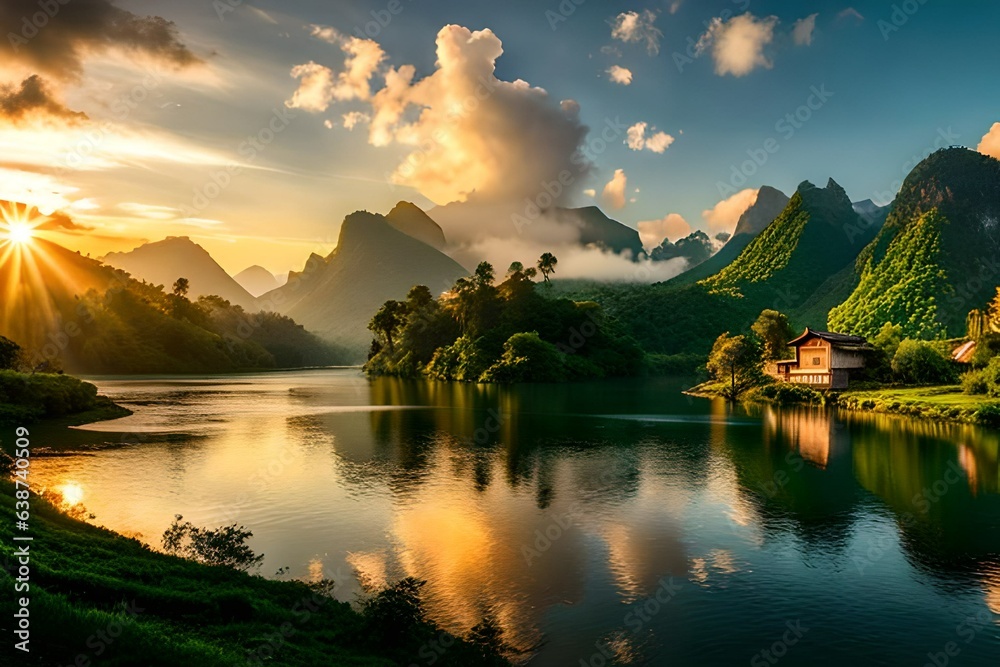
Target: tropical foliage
481 331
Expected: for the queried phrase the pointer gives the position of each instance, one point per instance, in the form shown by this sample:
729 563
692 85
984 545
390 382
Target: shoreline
932 402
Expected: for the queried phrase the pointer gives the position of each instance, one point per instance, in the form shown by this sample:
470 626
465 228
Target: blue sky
894 95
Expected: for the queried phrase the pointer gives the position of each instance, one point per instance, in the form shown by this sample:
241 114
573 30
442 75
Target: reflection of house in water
823 360
808 431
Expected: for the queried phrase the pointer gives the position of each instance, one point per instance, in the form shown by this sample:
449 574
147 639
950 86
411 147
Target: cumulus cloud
81 28
468 131
620 75
637 140
33 101
672 227
355 118
802 31
737 45
319 87
990 144
722 217
635 27
614 190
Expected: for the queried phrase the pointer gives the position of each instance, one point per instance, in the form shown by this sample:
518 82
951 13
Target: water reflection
561 510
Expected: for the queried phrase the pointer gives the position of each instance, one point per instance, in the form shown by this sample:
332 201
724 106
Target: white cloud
614 191
354 118
738 44
802 31
675 5
620 75
673 226
636 139
318 86
632 27
851 13
723 216
469 132
990 144
590 192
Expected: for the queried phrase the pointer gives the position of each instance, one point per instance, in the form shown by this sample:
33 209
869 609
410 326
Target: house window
816 361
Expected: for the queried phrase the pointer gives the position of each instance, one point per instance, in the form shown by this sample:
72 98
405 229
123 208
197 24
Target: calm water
607 523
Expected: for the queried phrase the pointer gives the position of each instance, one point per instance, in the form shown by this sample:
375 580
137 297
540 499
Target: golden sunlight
71 492
20 233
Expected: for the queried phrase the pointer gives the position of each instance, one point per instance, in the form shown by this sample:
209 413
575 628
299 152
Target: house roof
963 353
838 339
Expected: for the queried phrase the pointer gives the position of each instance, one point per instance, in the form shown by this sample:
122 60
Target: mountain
600 230
768 206
938 254
165 261
412 221
336 296
87 317
256 280
696 247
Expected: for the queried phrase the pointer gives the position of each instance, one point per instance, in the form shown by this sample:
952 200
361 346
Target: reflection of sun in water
72 493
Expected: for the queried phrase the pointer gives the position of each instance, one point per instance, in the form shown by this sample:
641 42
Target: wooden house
823 360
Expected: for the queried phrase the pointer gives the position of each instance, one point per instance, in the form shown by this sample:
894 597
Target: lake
610 523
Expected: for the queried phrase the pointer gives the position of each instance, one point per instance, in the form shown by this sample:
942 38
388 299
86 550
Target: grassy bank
941 403
28 398
96 596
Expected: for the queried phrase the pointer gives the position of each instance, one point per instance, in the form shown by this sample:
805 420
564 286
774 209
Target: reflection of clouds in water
992 585
371 569
718 563
315 569
722 487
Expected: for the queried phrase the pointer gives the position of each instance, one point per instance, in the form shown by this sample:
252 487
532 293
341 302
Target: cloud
590 192
34 101
673 226
614 191
319 87
738 44
468 132
620 75
633 27
850 13
80 28
722 217
675 5
636 139
802 31
354 118
990 145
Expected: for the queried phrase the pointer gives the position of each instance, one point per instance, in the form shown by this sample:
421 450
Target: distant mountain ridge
336 296
256 280
163 262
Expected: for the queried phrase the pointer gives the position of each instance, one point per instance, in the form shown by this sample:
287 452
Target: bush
974 382
920 362
223 546
989 415
786 393
527 358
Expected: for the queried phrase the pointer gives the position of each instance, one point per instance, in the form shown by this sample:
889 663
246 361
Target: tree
389 318
10 354
773 332
736 361
419 296
919 362
225 545
888 339
181 286
547 264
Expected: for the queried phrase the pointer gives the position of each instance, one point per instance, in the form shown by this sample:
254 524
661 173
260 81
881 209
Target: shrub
989 415
974 382
786 393
223 546
920 362
526 358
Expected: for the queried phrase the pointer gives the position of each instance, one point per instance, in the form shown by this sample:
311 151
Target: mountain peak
410 219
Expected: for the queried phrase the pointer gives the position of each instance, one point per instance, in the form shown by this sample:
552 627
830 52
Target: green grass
85 579
945 402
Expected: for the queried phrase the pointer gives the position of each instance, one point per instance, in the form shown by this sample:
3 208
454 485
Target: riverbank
941 403
27 398
95 594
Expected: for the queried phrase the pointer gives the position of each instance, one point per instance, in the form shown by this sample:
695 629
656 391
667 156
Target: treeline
481 331
136 327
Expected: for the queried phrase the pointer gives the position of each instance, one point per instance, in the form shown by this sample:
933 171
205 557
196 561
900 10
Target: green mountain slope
938 255
373 262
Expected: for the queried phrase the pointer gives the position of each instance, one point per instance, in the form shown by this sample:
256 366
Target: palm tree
547 264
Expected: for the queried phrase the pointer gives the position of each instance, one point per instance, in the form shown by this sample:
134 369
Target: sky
254 128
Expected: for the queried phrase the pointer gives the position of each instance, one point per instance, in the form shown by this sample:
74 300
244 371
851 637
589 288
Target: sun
20 233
